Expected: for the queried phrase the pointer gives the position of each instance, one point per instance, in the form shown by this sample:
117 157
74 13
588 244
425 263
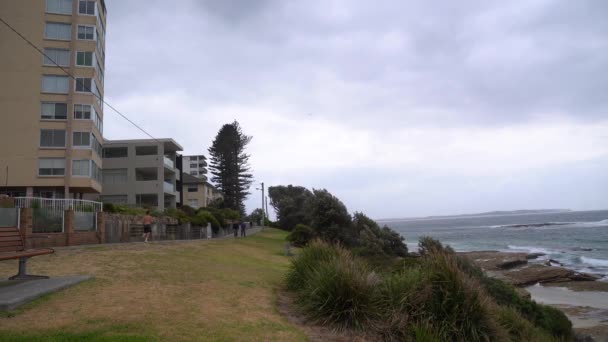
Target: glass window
52 138
55 84
96 172
83 85
59 6
58 31
194 173
114 176
193 166
81 168
146 150
83 111
86 32
193 203
86 7
97 148
84 58
81 139
55 57
115 152
54 111
51 167
192 188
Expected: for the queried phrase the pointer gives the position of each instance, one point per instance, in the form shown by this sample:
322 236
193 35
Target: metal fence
59 204
47 220
9 217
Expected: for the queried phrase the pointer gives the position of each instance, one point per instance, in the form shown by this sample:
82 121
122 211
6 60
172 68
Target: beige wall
21 73
199 195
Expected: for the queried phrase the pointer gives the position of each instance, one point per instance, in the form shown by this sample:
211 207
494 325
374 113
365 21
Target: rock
543 274
511 263
534 255
552 262
493 260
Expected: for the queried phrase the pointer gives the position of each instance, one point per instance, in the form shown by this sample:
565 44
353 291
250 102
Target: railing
168 162
76 205
168 187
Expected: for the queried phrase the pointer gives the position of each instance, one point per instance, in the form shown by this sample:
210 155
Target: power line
74 78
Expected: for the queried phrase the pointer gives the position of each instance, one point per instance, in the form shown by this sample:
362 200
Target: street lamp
263 211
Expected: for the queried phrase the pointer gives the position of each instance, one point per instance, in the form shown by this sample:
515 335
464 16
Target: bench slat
26 253
11 249
8 229
10 238
15 243
9 234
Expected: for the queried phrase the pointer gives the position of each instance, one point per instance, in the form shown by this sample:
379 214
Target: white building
195 166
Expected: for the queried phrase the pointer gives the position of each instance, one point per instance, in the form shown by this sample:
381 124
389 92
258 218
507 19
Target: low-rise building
143 173
198 193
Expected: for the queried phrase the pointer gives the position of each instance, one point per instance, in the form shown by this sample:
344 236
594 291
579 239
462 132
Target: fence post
26 222
101 227
68 226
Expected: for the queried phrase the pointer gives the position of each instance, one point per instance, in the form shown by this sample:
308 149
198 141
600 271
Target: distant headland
489 213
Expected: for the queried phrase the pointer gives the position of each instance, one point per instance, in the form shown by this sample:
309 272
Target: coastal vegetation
353 274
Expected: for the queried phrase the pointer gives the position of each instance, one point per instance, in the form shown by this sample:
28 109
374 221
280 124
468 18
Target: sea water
577 239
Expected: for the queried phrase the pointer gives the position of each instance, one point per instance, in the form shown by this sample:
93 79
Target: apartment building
196 166
198 193
143 173
51 126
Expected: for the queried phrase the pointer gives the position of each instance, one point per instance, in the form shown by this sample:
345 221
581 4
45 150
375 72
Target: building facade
143 173
51 125
197 192
196 166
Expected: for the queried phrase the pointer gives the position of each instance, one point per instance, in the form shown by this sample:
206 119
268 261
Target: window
83 85
192 188
96 146
86 7
86 32
81 168
116 199
81 139
58 31
84 58
98 123
51 167
193 173
114 176
52 138
55 84
193 203
146 150
59 6
59 56
54 111
193 166
83 111
96 173
115 152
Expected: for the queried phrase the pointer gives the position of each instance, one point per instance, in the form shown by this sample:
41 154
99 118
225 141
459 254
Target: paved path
14 294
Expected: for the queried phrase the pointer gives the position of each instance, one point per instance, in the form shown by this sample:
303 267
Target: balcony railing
168 187
58 204
168 162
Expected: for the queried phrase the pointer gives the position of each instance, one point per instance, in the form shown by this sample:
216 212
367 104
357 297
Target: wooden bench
12 246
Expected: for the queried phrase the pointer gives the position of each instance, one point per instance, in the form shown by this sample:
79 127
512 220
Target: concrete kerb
15 294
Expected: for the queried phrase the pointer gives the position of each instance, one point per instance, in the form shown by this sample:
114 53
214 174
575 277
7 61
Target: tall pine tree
229 167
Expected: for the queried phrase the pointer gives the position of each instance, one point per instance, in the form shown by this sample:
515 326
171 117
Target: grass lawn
221 290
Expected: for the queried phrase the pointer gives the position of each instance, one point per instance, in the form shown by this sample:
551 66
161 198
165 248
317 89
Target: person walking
243 229
235 227
147 226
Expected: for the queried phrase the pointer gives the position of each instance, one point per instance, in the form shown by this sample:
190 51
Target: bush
300 236
177 214
305 263
519 328
340 292
202 218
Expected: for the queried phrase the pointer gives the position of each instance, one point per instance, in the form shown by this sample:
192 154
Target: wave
531 249
594 262
548 224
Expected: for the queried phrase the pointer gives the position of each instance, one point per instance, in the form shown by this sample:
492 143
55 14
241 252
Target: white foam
531 249
594 262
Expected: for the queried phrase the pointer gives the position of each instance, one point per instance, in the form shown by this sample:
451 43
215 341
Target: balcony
168 162
168 188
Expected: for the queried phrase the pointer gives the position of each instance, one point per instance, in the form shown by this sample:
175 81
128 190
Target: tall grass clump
340 292
304 265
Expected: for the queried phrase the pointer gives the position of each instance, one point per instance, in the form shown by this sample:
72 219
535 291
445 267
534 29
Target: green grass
221 290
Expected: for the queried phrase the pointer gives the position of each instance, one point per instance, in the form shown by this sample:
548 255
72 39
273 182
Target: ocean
577 239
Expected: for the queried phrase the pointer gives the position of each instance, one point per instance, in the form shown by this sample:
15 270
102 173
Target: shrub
428 245
300 236
519 328
202 218
340 292
177 214
304 264
458 302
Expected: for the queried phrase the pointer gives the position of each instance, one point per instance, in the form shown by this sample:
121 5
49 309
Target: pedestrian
147 226
235 227
243 229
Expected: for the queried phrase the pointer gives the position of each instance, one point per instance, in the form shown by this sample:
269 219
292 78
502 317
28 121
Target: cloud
385 96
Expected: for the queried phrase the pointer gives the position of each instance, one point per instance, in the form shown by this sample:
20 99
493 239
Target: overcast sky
400 108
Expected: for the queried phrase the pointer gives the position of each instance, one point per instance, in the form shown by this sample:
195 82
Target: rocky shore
580 296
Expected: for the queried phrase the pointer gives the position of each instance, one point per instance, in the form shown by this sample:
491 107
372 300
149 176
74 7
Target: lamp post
263 210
